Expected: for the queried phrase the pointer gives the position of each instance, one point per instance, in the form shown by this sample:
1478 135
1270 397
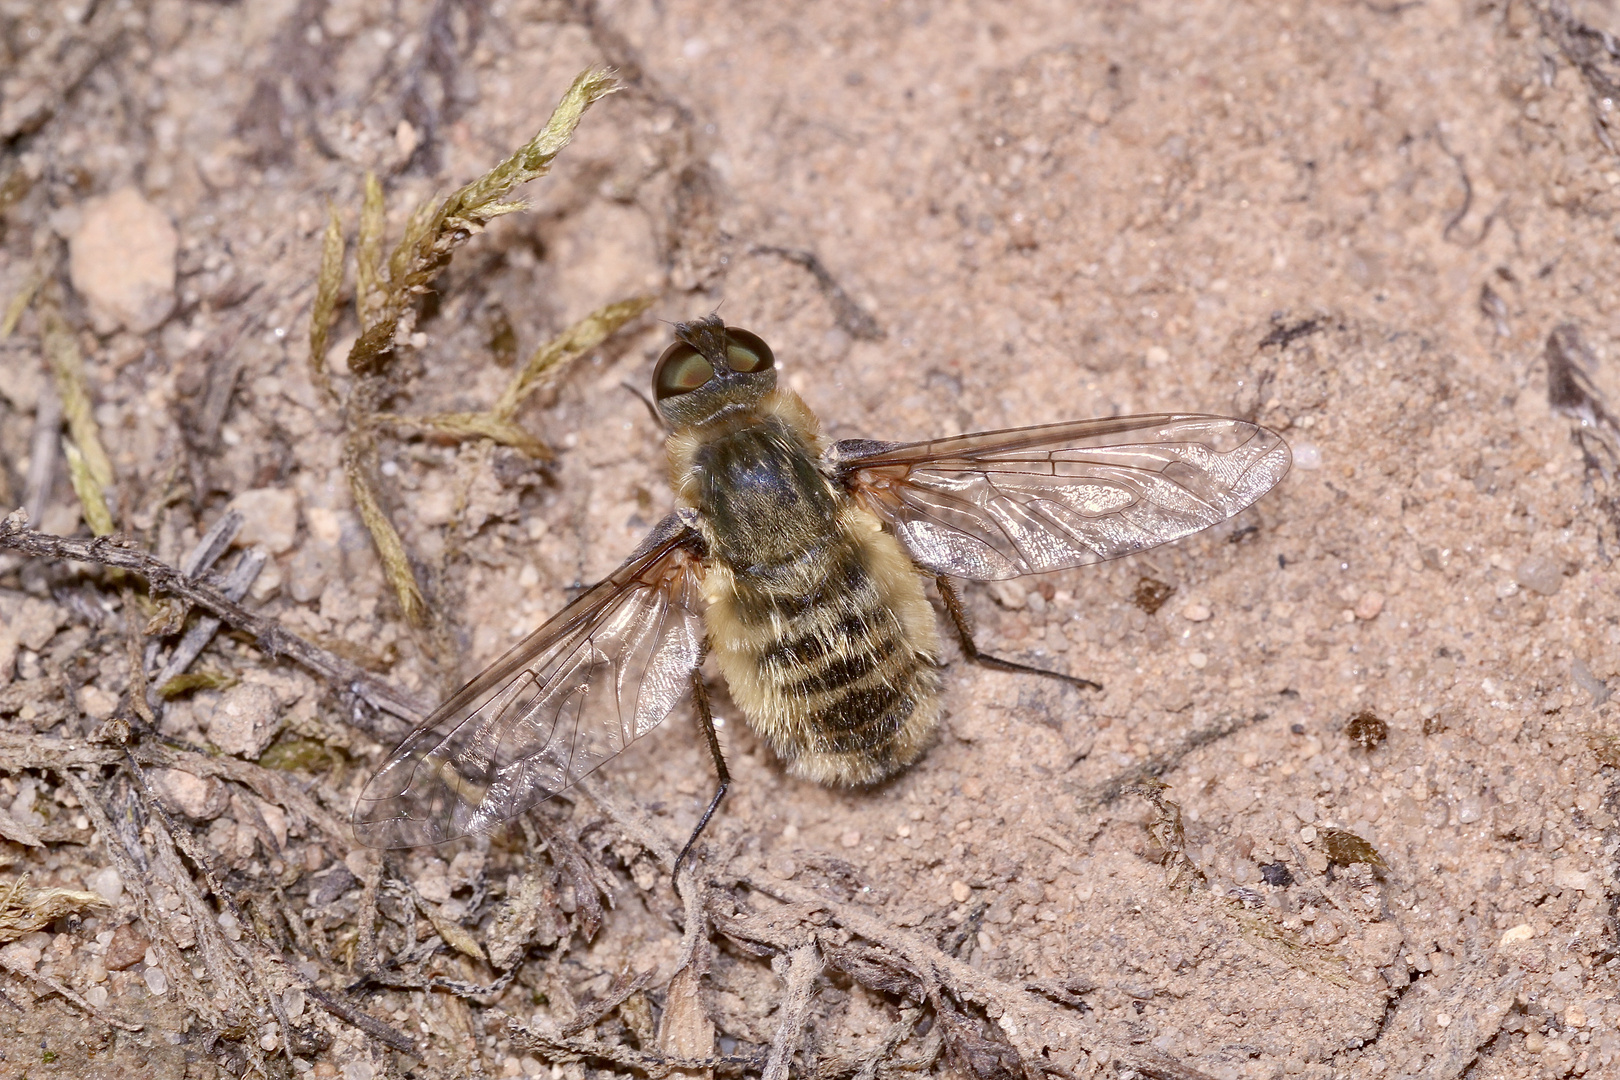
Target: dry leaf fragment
24 910
1343 847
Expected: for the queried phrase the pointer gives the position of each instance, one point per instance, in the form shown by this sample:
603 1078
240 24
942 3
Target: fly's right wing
1030 500
602 673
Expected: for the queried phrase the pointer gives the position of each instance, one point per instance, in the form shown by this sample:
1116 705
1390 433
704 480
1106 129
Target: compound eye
746 352
680 370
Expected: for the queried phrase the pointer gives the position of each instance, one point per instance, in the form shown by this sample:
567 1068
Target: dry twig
120 552
797 970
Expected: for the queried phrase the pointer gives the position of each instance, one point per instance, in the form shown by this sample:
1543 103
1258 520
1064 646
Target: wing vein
577 691
1030 500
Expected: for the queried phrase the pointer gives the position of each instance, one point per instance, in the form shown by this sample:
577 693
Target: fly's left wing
602 673
1029 500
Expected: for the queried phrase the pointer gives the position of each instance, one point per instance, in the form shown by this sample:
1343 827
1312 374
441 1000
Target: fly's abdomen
832 655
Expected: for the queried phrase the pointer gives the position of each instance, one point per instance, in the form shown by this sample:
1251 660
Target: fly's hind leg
700 699
953 604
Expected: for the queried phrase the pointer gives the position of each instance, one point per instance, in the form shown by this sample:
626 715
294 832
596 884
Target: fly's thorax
757 485
687 440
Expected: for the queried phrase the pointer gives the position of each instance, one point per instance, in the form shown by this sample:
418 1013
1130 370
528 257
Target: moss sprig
89 468
385 295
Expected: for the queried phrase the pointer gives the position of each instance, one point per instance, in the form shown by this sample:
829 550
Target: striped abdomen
831 653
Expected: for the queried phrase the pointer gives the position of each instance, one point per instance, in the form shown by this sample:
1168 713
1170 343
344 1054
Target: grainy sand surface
1376 228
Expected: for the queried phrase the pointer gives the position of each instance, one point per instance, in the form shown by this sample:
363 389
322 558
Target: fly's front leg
700 699
953 604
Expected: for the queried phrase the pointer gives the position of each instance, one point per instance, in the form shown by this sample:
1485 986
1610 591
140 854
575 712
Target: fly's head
711 372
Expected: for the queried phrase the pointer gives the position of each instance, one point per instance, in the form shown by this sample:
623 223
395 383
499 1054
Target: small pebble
125 947
156 981
122 261
270 519
433 883
790 832
1573 879
1539 573
245 720
1368 607
25 952
465 869
1443 1019
97 996
850 838
1196 612
198 798
1575 1016
1308 834
1583 678
1307 457
22 806
96 703
34 622
1518 935
960 892
264 587
1198 660
1010 594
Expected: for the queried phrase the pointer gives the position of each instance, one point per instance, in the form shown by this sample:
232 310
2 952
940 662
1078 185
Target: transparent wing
1029 500
601 674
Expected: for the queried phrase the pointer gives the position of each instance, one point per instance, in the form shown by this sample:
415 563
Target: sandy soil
1371 227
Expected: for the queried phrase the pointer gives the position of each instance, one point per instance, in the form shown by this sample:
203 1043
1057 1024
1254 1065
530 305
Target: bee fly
799 563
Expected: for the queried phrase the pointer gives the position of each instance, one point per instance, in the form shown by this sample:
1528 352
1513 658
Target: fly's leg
700 698
953 604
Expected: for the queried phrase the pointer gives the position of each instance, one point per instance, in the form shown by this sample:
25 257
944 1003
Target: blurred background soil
1387 230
